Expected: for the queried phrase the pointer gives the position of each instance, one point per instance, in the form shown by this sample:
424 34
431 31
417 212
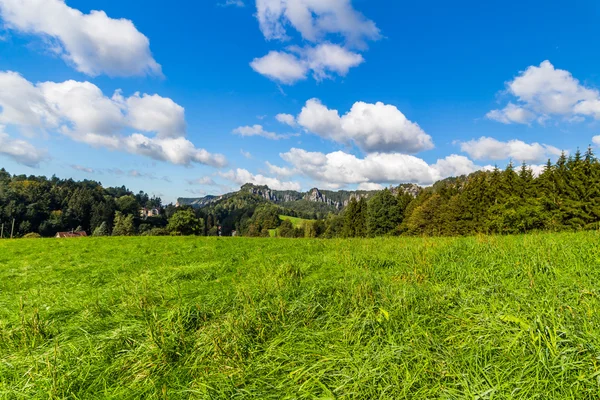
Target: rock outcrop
337 200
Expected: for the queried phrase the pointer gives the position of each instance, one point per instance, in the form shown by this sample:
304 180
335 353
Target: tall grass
232 318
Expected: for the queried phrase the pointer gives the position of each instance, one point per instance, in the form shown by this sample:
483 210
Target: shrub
123 225
101 230
32 235
156 232
185 222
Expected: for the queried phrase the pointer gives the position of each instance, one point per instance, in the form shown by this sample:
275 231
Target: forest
563 197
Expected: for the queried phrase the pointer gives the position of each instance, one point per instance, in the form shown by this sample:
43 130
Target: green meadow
296 223
513 317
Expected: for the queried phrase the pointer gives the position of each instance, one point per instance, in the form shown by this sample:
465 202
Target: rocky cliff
333 199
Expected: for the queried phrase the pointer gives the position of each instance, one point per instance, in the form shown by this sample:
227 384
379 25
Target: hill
313 201
221 318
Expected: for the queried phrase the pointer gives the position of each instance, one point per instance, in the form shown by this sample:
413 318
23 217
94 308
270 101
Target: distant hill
313 201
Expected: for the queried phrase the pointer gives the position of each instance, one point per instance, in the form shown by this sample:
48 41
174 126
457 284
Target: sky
186 99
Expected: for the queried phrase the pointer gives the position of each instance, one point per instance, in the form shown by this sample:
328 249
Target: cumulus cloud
340 168
258 130
20 151
80 111
23 104
93 43
314 19
596 140
370 186
242 176
155 113
542 92
512 113
324 61
372 127
487 148
281 67
282 172
327 58
317 21
177 151
287 119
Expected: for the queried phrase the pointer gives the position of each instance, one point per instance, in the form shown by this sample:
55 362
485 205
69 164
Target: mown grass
232 318
296 223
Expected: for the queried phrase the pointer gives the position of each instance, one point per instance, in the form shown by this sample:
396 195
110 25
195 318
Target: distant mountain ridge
336 200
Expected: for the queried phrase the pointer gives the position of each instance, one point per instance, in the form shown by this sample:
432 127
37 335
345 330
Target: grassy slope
146 317
296 222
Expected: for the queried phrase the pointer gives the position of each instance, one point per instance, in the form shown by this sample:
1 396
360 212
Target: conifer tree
384 213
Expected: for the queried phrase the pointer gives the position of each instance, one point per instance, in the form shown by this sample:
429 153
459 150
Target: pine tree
384 215
360 224
351 216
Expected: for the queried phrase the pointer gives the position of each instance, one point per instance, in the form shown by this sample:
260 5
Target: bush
101 230
156 232
123 225
32 235
184 222
143 228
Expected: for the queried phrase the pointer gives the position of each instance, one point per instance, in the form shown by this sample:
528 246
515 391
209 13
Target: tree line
564 196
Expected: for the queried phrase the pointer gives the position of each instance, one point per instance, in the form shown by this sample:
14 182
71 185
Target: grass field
296 222
235 318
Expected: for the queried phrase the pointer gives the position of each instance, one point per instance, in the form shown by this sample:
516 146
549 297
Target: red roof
70 234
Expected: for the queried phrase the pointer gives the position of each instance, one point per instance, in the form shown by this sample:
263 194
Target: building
72 234
149 212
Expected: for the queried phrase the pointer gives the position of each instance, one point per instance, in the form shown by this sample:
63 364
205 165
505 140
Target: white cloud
246 154
205 180
324 60
242 176
596 140
23 104
177 151
234 3
512 113
20 151
80 111
370 186
372 127
82 107
314 19
281 67
340 168
544 91
147 175
537 169
83 169
287 119
589 108
93 43
282 172
153 113
486 148
258 130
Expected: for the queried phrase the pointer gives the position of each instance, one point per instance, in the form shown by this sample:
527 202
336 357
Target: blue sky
181 100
